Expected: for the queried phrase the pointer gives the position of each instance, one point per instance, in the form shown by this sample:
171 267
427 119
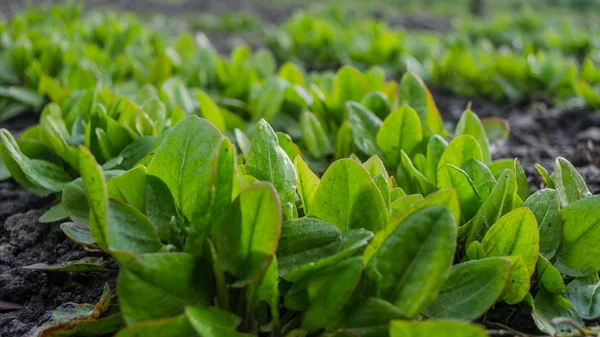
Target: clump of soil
25 241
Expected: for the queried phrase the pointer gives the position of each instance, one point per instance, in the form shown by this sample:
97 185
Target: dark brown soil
25 241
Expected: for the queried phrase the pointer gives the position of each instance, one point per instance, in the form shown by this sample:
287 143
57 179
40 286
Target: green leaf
399 206
308 182
365 126
214 322
439 328
128 230
82 265
460 150
515 233
368 312
177 94
185 161
471 289
545 176
128 186
177 326
344 142
411 265
268 100
287 144
348 198
450 176
498 166
547 306
549 277
55 213
350 85
400 131
436 146
79 233
470 124
210 111
518 282
304 241
38 176
414 93
314 136
579 255
160 206
67 320
546 207
248 236
96 193
174 280
569 183
266 290
423 185
328 291
446 198
352 240
268 162
497 204
378 102
584 295
482 177
243 142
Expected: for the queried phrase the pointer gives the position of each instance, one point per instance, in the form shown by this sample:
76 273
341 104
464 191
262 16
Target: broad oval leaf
579 254
174 280
546 207
401 130
365 126
184 161
249 233
470 124
515 233
268 162
584 294
446 198
460 150
569 183
411 265
306 240
348 198
308 182
436 328
471 288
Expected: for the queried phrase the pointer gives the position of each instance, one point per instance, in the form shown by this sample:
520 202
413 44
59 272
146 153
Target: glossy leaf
435 328
348 198
583 293
546 207
248 236
174 280
470 124
268 162
411 265
579 255
569 183
401 130
308 182
471 288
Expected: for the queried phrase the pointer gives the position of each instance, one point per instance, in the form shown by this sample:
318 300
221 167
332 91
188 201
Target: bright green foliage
349 199
241 222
